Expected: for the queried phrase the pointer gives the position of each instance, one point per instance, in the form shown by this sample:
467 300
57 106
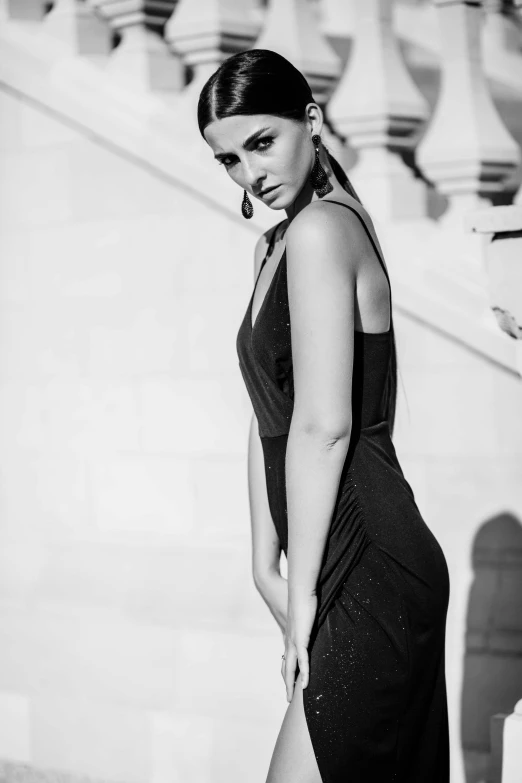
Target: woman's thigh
293 759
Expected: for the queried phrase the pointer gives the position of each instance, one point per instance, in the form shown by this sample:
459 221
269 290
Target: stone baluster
501 32
292 29
142 60
25 10
379 109
466 151
205 32
337 18
77 27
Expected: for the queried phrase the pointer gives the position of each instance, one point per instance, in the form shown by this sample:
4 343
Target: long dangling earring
246 207
318 176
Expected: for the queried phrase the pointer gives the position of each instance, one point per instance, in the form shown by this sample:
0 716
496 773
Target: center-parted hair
260 81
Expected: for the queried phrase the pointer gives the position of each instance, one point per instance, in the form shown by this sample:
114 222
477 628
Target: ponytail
342 176
390 389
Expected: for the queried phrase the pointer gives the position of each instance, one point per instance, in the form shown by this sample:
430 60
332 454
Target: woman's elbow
330 434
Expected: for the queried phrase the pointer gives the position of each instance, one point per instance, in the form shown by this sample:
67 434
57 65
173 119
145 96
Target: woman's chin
279 201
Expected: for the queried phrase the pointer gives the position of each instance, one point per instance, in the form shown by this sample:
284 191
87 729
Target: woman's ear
315 118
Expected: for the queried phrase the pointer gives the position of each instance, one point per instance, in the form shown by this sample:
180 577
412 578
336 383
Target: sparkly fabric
375 705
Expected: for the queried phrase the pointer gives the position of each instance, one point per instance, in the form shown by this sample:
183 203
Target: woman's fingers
302 657
300 619
294 657
289 671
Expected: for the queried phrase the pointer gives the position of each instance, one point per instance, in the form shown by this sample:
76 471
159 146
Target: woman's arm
266 547
323 248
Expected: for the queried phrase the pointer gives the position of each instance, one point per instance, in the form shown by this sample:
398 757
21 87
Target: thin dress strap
269 250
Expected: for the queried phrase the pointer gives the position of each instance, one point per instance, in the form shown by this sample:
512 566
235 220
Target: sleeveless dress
375 704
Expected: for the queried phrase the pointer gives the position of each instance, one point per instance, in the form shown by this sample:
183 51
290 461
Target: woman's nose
253 175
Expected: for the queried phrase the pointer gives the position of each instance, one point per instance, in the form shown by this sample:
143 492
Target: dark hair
260 81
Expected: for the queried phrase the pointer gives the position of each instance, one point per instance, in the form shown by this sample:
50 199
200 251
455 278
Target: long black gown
375 704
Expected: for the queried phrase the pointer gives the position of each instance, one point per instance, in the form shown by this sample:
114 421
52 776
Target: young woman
363 611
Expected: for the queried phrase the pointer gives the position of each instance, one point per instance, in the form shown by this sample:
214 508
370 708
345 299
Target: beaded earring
318 176
246 206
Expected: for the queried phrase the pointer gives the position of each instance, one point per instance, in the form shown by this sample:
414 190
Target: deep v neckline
374 335
265 298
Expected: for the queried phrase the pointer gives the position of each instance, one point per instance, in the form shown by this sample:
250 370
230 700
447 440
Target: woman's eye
266 139
261 145
224 162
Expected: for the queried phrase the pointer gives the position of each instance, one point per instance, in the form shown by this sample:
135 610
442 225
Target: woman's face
261 151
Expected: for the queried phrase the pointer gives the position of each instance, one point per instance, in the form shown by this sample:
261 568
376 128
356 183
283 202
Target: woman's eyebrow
249 140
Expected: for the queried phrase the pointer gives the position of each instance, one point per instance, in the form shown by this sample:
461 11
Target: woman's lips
269 191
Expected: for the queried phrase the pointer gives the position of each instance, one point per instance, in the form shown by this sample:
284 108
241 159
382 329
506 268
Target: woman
363 611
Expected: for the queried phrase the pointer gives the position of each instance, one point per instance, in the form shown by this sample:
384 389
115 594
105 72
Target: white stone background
133 644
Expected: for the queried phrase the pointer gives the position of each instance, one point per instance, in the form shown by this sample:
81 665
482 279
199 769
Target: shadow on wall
493 658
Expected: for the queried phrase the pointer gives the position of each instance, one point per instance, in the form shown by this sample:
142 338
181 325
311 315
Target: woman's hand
302 610
273 588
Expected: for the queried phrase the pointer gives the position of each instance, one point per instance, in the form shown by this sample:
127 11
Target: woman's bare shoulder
317 221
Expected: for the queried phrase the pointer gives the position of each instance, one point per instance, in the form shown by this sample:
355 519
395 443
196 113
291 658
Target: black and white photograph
260 391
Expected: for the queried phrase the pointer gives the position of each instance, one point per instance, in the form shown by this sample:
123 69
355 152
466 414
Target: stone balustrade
466 151
142 60
291 30
465 155
381 119
404 152
207 32
74 25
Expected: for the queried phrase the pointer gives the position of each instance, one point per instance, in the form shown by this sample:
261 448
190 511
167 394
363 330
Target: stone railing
448 172
466 153
436 166
409 161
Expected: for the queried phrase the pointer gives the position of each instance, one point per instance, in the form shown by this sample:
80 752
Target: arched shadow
492 681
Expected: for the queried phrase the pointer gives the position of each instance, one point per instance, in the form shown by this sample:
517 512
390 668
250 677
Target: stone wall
133 645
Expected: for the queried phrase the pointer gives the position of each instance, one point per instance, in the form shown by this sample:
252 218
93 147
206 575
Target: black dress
375 704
